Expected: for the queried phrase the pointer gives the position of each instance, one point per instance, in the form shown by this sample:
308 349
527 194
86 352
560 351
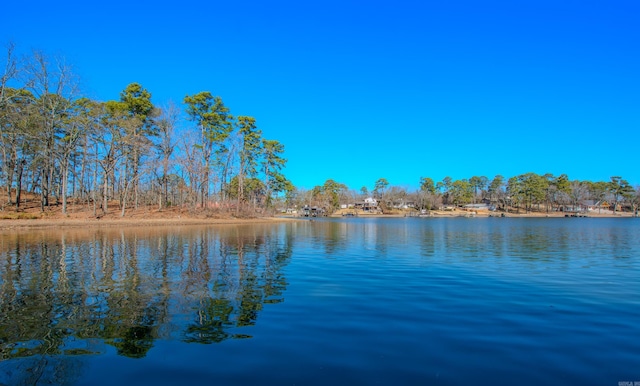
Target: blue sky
359 90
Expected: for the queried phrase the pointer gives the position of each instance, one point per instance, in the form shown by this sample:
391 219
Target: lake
430 301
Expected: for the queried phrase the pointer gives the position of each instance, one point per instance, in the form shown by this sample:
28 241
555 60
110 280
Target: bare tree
192 167
67 145
579 192
7 128
166 123
54 86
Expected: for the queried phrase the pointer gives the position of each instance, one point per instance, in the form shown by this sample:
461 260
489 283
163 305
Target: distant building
592 205
402 204
483 206
369 204
313 211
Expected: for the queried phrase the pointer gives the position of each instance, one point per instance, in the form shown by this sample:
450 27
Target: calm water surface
358 301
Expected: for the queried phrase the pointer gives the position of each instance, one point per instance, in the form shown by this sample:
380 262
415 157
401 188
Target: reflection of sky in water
599 256
365 300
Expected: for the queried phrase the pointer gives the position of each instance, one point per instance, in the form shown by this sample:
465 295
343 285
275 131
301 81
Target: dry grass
30 215
18 216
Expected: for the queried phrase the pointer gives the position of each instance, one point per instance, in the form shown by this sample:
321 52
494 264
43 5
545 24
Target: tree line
527 192
127 152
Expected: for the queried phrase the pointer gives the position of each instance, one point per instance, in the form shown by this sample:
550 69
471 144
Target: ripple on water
409 301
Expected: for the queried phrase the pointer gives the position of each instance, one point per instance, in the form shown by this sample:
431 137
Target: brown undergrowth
30 214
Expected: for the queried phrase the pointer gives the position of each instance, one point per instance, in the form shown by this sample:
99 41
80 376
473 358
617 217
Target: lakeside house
592 205
313 211
481 206
586 206
369 204
402 204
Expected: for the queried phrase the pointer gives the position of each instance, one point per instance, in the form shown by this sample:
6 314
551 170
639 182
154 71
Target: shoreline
483 214
22 224
93 223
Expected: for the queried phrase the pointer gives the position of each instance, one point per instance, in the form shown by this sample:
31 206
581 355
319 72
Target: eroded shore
9 224
130 222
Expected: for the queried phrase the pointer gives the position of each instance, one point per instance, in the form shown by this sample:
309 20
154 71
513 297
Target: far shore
141 221
481 213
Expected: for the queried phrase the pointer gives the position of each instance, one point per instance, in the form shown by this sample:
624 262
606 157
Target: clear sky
359 90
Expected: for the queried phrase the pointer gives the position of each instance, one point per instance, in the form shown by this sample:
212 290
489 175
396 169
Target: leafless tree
166 122
54 86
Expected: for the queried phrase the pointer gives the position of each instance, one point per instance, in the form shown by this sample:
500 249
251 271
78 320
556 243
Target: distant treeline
528 191
61 145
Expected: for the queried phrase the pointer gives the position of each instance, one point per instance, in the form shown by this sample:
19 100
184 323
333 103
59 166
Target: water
356 301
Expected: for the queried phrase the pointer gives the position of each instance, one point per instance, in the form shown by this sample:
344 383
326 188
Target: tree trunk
73 176
49 181
83 170
65 172
95 189
19 182
43 193
135 178
105 191
165 181
123 202
10 169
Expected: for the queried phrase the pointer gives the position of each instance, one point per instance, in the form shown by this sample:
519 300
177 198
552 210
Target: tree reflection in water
69 293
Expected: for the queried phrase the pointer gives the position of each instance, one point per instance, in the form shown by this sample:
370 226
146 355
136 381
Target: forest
59 147
126 153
